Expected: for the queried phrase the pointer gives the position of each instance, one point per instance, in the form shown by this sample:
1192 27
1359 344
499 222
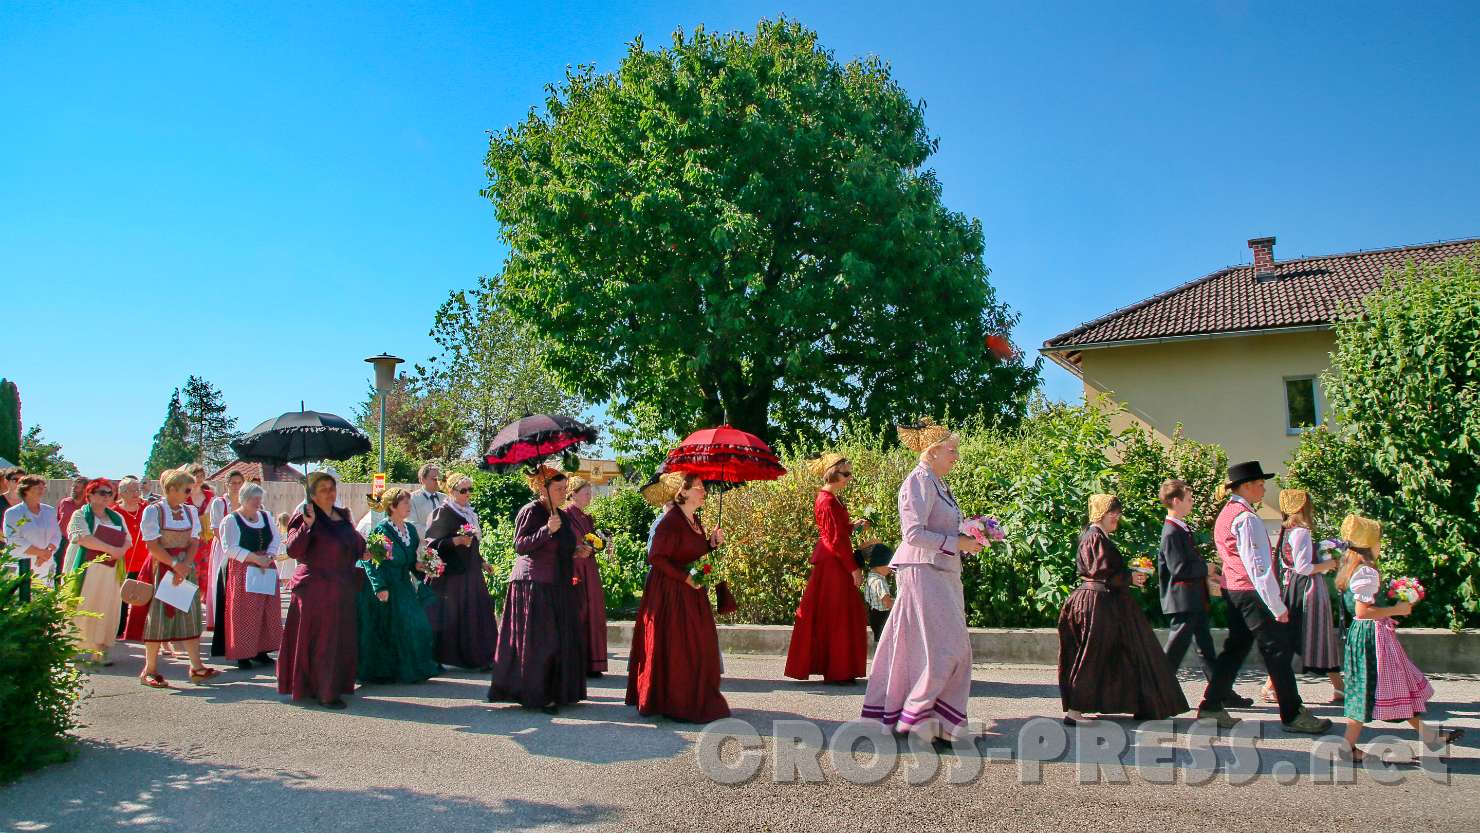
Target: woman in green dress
396 640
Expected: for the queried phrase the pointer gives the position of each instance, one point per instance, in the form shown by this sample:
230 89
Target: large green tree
493 366
39 456
1404 386
740 224
172 447
211 429
10 421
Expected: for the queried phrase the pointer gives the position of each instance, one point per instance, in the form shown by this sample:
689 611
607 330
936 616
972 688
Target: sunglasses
103 493
461 491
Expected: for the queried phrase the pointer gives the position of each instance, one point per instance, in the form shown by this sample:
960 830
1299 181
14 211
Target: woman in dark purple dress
540 661
320 640
462 611
588 577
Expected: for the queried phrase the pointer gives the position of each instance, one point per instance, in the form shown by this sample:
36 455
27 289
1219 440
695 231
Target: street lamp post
385 374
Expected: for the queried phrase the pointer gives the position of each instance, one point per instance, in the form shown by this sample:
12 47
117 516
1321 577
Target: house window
1302 409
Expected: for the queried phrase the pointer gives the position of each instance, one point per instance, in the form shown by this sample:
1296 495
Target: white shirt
1302 553
423 504
875 588
149 528
1364 584
40 530
1253 550
231 535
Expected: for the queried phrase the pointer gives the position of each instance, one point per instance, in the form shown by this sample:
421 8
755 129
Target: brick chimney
1263 258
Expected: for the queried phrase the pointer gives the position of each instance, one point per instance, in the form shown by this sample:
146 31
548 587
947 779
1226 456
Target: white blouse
149 522
1364 584
1302 553
231 535
40 530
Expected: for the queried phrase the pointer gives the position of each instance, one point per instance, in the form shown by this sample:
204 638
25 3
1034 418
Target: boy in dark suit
1183 577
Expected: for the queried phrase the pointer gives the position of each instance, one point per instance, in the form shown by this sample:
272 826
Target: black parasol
300 436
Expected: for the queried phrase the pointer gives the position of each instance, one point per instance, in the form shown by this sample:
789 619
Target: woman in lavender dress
921 677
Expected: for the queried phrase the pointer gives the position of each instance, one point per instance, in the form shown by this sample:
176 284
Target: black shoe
243 664
552 709
594 675
334 704
1238 702
264 659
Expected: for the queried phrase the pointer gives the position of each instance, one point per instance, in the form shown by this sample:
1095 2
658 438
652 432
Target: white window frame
1315 396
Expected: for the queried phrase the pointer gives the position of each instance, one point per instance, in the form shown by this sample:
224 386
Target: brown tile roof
269 473
1303 292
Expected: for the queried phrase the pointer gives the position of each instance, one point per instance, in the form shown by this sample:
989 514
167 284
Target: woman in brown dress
1109 659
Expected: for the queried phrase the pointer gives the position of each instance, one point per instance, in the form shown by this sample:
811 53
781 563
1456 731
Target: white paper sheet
179 596
262 581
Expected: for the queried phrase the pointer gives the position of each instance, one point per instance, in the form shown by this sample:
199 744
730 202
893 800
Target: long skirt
220 626
921 679
593 613
830 636
396 641
1110 661
539 658
320 641
165 623
101 594
674 667
1381 682
462 618
253 621
1316 639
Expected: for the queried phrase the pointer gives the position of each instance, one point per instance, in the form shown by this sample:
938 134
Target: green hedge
40 686
1035 478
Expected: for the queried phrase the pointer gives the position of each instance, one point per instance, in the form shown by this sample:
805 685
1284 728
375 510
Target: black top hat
1244 472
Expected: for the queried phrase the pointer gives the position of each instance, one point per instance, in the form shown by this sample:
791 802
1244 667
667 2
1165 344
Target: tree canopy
211 430
39 456
10 421
740 224
171 447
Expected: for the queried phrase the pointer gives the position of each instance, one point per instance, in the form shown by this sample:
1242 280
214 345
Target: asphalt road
234 756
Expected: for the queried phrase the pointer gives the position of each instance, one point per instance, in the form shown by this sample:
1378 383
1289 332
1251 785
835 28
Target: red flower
575 580
708 569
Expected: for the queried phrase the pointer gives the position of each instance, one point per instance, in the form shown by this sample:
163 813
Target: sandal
203 674
1268 695
1358 756
154 681
1445 737
1338 696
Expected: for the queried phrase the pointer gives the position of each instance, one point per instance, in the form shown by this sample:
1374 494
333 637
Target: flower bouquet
986 531
1143 564
595 542
431 564
1405 589
378 548
1330 545
468 530
702 572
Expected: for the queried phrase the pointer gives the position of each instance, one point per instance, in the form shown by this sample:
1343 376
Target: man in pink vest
1256 611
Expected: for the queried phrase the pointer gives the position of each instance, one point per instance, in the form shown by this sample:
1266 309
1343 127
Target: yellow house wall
1229 391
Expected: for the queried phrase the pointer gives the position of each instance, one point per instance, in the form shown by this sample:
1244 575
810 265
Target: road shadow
157 792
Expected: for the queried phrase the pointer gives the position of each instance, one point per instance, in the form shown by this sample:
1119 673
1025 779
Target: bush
40 686
1404 387
1035 478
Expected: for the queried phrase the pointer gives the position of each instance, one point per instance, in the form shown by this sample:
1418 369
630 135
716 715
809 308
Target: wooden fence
280 497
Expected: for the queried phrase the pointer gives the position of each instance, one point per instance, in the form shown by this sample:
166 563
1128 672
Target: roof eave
1055 352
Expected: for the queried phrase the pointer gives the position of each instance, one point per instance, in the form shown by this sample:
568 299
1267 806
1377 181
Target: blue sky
265 195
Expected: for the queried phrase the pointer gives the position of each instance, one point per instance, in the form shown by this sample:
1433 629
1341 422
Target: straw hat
311 483
664 489
1361 532
1292 501
822 465
539 478
1102 505
922 435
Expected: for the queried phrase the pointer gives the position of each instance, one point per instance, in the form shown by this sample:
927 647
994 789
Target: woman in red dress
131 507
674 668
830 635
321 640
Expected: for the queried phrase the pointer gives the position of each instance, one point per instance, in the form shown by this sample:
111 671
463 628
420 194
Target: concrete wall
1228 391
1433 650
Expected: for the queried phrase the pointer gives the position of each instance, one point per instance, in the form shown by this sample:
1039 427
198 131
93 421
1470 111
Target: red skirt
830 636
254 621
674 665
320 642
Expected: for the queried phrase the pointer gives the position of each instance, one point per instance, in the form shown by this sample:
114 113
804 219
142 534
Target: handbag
137 593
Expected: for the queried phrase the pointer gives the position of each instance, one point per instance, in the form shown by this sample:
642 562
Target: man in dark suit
1182 574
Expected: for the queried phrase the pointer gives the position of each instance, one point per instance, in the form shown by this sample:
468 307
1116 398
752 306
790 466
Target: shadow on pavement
149 790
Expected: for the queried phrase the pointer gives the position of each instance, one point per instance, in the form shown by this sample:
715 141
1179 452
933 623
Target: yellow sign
377 483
